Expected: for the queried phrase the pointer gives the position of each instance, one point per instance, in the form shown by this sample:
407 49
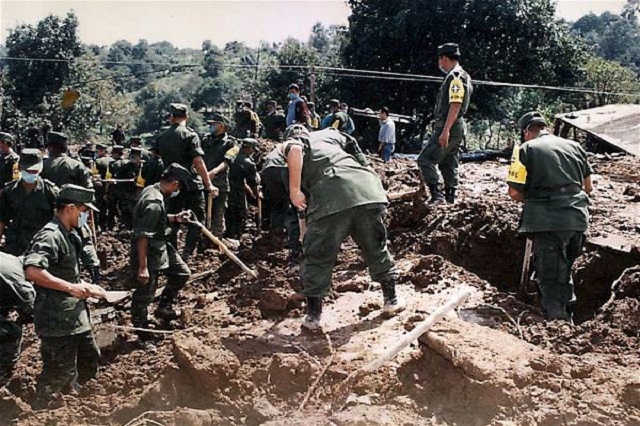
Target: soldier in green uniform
102 164
153 168
242 173
127 191
552 177
8 160
336 118
275 178
61 315
26 204
275 122
450 129
247 121
152 253
345 198
136 142
315 118
180 144
220 151
112 189
61 169
16 295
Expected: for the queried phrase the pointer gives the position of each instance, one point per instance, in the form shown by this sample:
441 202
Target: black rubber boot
436 195
450 195
314 312
165 310
392 305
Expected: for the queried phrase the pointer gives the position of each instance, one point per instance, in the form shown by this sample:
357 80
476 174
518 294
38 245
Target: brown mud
238 355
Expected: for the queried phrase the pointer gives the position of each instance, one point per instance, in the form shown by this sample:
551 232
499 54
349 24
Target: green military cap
57 138
117 148
249 143
176 172
219 118
74 194
178 110
30 159
530 118
6 138
295 130
449 49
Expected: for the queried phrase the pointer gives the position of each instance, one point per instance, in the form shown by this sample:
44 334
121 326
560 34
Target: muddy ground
237 354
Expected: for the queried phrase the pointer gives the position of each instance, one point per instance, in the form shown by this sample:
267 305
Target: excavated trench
476 237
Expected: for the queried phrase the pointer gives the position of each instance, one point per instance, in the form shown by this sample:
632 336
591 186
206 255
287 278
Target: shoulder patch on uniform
517 170
456 91
233 151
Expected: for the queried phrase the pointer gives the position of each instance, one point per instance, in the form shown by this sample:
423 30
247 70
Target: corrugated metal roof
618 125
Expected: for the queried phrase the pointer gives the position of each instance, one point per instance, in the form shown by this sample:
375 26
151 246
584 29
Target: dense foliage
517 41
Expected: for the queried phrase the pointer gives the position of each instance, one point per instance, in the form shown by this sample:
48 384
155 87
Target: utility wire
353 73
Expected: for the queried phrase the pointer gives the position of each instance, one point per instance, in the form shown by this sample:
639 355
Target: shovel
209 210
302 222
112 297
221 245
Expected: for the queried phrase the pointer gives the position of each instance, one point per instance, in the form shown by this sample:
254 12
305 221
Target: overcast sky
188 23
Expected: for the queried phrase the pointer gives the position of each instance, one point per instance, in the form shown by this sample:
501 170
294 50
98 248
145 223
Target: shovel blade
116 296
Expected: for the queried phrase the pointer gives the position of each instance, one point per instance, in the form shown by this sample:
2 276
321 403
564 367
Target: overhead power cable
353 73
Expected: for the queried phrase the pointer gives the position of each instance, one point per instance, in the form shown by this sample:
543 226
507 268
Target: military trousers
446 159
218 212
324 237
553 257
67 361
292 226
276 197
177 274
236 218
194 201
10 344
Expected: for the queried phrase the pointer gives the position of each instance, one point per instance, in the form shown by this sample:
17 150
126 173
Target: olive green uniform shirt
8 166
150 220
180 144
57 313
550 172
104 164
152 171
456 88
15 291
335 174
24 212
64 169
243 170
216 150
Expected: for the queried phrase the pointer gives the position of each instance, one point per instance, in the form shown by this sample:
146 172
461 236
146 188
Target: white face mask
174 194
84 219
29 177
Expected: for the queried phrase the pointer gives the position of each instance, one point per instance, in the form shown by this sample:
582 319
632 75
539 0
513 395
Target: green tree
516 41
609 76
52 44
